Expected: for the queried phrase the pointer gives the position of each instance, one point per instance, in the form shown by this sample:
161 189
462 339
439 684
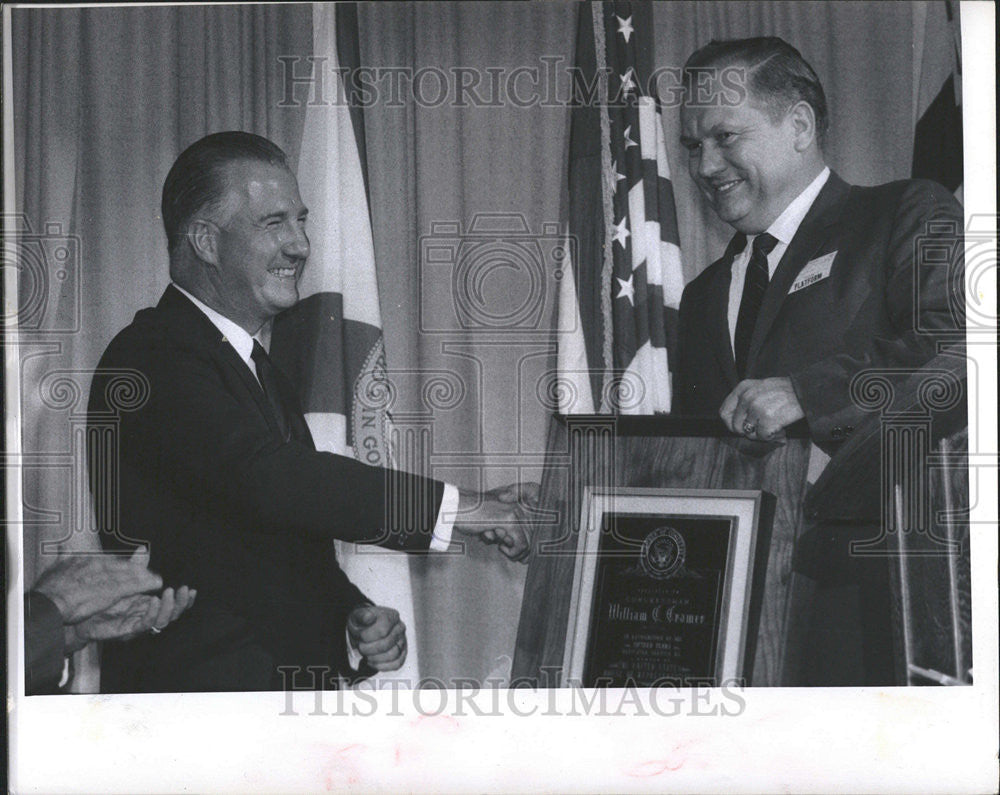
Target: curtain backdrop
433 165
105 99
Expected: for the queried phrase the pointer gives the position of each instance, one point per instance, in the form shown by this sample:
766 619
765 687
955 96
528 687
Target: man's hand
499 517
131 616
379 635
523 493
761 409
83 584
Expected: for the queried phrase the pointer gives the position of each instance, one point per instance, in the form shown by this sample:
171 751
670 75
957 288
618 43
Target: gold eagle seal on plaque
663 553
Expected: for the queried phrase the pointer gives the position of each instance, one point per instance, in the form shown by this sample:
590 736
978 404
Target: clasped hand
379 636
500 517
761 409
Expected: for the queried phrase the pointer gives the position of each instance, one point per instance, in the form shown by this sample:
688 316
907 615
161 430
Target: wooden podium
895 496
607 450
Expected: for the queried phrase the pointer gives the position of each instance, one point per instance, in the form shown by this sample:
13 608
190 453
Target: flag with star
330 343
628 279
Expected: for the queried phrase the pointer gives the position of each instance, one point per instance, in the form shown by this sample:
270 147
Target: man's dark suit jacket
894 291
863 315
232 509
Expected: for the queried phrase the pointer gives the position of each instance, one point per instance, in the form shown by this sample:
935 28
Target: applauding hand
82 584
131 616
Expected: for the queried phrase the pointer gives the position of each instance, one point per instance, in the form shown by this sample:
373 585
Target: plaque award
664 590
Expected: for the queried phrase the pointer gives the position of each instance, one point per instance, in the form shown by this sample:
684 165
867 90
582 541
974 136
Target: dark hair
777 74
196 179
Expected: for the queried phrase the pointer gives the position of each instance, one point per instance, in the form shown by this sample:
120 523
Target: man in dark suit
217 470
821 280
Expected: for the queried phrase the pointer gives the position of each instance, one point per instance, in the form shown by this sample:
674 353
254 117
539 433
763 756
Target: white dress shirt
783 229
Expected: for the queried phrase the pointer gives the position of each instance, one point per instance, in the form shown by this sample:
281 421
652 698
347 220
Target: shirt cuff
441 538
64 679
354 657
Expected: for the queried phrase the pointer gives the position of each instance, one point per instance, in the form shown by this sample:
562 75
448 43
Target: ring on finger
749 428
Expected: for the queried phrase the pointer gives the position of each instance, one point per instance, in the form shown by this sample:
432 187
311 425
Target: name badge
814 271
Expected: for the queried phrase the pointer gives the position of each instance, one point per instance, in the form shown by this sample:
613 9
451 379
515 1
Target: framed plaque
666 587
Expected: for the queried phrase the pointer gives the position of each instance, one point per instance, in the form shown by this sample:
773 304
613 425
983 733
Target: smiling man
216 469
820 281
259 226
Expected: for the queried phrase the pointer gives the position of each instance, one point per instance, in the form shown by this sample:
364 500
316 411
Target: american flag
628 281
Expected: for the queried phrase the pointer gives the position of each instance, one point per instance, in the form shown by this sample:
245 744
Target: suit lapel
717 322
192 324
813 233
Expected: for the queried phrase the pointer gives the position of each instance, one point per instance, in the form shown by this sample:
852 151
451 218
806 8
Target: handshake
499 517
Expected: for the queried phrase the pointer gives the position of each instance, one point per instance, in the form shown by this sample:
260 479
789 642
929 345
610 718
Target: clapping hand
101 596
131 616
83 584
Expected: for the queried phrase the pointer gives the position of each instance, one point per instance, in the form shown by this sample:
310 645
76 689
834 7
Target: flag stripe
669 231
349 59
628 276
647 274
572 390
586 207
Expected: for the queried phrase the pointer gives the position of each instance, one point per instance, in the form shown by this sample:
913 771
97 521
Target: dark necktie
754 287
269 383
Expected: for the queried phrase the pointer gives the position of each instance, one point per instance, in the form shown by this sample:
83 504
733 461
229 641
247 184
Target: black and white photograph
500 396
